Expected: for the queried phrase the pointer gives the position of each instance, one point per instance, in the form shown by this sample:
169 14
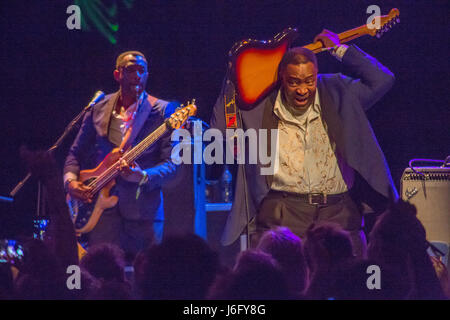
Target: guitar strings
130 156
111 172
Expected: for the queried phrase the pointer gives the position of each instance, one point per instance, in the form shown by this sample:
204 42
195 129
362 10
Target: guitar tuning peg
397 20
193 101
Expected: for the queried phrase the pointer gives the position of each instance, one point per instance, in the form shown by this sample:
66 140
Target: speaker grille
428 188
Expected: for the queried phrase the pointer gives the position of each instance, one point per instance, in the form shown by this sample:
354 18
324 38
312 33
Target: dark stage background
49 73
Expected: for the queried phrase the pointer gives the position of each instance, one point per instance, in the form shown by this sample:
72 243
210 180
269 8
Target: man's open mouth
302 99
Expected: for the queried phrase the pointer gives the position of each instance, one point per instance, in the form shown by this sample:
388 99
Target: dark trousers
130 235
282 209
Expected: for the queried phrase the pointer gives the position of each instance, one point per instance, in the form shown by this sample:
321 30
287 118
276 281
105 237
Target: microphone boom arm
98 96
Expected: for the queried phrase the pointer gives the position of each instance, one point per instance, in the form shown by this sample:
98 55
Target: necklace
128 115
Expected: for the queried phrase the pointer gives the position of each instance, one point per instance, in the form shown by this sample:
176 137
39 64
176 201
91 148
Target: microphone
99 95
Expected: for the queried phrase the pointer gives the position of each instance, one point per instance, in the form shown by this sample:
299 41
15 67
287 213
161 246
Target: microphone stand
246 197
56 145
6 199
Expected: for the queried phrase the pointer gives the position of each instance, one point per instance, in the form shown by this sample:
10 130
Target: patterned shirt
307 161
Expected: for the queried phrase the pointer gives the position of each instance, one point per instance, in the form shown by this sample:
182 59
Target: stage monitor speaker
179 208
428 188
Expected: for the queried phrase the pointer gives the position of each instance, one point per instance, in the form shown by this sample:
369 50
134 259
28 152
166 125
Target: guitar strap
229 99
231 123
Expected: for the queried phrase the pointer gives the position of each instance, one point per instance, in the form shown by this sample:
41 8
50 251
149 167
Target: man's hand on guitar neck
79 191
328 38
331 42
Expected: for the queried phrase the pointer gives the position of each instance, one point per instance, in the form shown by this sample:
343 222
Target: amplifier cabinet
428 188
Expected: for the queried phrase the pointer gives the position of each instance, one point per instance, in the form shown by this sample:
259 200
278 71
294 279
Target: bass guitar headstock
180 116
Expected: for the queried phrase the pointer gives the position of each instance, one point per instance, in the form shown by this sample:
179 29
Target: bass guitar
101 179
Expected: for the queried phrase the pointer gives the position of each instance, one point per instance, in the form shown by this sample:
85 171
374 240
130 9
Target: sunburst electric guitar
101 179
254 63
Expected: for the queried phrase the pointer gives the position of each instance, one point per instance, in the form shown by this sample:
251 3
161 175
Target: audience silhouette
326 247
287 249
398 244
255 276
184 267
105 262
181 267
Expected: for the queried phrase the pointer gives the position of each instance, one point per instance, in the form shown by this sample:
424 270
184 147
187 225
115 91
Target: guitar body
254 66
85 216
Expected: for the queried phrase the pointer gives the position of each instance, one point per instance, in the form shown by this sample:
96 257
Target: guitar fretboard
345 36
112 172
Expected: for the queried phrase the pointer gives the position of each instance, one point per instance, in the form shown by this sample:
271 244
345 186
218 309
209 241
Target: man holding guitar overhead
329 162
128 207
